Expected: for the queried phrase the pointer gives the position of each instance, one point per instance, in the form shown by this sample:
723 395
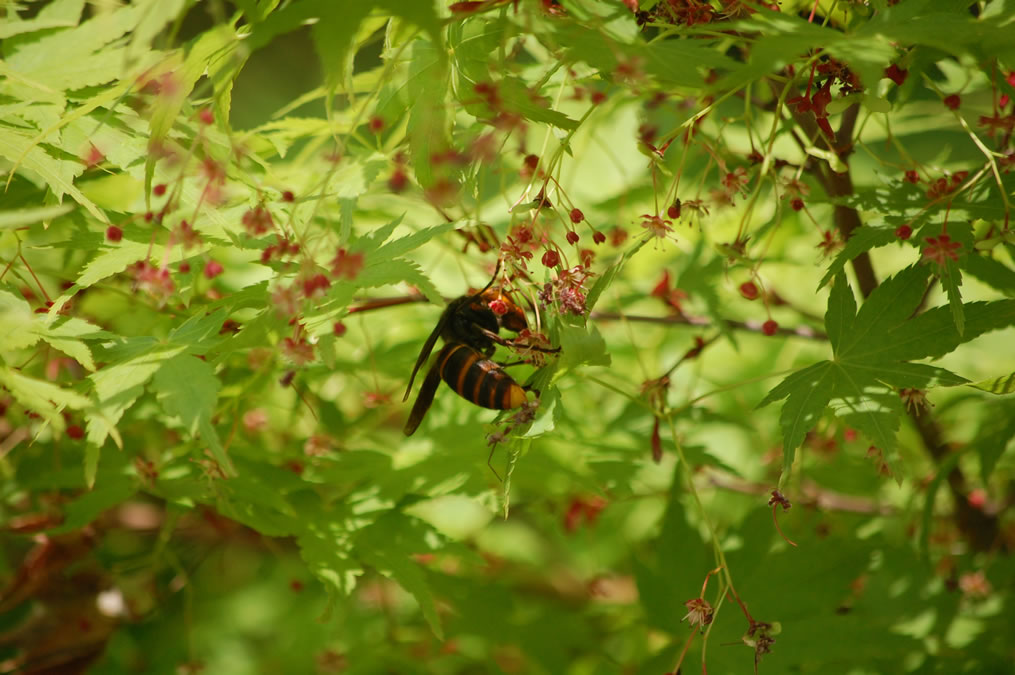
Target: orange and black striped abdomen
477 379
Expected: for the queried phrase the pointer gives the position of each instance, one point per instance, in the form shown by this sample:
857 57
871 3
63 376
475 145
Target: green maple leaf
873 350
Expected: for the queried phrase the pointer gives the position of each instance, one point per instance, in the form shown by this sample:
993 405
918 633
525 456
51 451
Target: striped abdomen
477 379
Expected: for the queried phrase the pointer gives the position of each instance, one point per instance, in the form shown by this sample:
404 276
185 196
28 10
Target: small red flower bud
75 432
398 180
952 102
376 124
288 196
896 74
206 116
572 237
903 231
912 177
577 216
673 213
212 269
531 161
113 233
598 237
184 267
498 307
551 258
749 290
339 329
159 190
797 204
769 327
597 97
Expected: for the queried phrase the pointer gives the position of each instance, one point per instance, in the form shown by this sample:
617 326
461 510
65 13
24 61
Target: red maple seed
113 233
903 232
572 237
212 269
749 290
551 258
952 102
577 216
769 327
896 74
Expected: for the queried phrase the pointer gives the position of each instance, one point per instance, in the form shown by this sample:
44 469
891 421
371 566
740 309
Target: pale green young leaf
76 349
119 385
79 57
17 322
428 126
422 14
399 270
113 260
581 346
187 388
57 14
333 36
10 220
157 14
410 242
213 45
1002 385
41 397
58 174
